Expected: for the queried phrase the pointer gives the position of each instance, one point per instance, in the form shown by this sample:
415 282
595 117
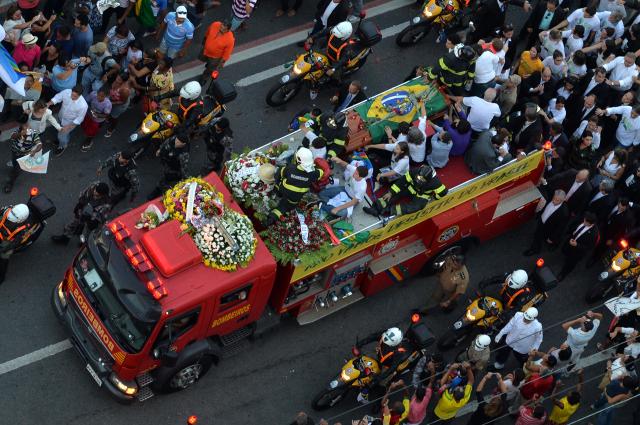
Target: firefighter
332 130
13 226
455 69
420 184
123 175
174 156
90 212
294 180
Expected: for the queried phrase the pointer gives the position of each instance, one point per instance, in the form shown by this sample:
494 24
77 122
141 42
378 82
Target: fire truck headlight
61 296
127 387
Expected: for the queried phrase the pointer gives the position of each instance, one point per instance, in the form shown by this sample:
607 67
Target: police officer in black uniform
419 184
174 156
123 175
293 181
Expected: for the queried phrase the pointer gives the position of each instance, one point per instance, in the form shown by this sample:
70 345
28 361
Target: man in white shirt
628 131
610 20
585 17
340 200
523 333
556 111
485 71
71 114
482 110
578 338
623 71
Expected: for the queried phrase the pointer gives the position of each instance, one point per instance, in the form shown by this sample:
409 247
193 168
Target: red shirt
526 417
534 384
28 56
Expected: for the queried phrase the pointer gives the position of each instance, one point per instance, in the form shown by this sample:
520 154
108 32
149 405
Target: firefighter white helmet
518 279
481 342
343 30
531 313
392 337
18 213
304 157
191 90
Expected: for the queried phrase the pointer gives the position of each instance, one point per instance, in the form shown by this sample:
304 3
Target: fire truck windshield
110 285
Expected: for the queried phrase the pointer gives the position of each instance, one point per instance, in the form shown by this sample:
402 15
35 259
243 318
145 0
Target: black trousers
4 265
502 355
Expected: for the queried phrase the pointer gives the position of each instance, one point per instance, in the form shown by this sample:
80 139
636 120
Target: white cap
181 12
18 213
305 159
531 313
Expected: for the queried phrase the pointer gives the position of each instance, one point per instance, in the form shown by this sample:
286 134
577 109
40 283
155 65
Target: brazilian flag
145 14
400 104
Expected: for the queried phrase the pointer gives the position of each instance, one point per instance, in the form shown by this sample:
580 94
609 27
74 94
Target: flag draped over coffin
399 104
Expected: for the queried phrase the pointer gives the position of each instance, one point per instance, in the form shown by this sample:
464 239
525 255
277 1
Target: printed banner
620 306
36 164
455 197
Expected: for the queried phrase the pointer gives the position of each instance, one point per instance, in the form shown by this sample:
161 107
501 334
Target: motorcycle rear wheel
412 34
328 398
282 93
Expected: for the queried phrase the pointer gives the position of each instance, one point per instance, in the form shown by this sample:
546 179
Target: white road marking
287 40
280 69
35 356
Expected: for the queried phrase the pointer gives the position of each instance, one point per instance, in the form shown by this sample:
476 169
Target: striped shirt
176 35
239 8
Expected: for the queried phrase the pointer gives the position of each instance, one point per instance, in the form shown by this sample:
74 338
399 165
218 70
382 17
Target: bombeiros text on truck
166 290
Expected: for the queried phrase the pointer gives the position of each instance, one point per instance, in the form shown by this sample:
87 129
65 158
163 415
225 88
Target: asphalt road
277 375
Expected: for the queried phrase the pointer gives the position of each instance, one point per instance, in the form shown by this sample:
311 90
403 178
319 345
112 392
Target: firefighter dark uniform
175 163
12 236
123 177
334 132
454 70
292 182
419 185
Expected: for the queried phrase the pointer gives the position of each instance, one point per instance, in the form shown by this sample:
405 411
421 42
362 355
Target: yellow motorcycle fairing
351 374
433 11
620 263
476 313
151 125
302 66
208 117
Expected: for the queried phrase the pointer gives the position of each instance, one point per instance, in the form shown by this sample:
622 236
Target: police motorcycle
27 221
616 278
360 373
159 125
442 14
311 67
489 312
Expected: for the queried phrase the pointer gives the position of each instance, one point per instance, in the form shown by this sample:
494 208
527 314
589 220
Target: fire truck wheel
184 374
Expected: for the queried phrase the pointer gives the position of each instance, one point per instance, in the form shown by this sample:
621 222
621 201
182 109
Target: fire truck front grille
93 346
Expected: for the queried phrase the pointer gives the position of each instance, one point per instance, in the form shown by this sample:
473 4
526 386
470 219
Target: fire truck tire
186 373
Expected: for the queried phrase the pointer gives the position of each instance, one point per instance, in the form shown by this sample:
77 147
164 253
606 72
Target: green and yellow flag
400 104
145 14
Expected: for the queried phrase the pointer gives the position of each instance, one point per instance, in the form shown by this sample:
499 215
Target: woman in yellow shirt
564 408
453 400
529 63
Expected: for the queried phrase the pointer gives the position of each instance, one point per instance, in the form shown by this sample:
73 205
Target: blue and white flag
9 71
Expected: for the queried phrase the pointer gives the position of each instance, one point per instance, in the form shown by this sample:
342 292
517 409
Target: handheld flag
9 71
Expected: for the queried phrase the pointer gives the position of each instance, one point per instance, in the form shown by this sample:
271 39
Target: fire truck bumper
97 366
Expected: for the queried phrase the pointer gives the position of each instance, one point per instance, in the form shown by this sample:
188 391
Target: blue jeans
63 138
236 22
605 417
166 50
328 193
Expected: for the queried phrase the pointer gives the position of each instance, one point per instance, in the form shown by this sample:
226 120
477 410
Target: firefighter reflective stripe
398 209
185 111
444 67
293 188
333 52
7 234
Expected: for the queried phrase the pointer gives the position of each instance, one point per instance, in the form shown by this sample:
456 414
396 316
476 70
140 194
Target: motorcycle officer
190 103
420 184
455 69
515 291
13 228
293 181
339 48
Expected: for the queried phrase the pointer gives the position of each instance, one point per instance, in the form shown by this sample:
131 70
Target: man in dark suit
490 16
544 16
602 201
550 223
577 111
557 136
328 14
526 130
620 220
595 83
576 186
347 95
482 157
581 240
538 88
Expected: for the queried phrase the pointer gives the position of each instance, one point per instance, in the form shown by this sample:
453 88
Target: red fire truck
146 315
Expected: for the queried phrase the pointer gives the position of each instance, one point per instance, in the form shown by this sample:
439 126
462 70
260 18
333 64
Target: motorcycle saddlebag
369 33
42 206
420 335
544 278
223 91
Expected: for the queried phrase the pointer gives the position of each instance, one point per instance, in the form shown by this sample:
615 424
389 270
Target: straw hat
29 39
267 173
98 48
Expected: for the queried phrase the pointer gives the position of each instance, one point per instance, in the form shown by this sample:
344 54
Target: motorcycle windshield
107 281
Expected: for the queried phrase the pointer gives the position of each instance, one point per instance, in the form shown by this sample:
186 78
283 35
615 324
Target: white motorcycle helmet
481 342
304 158
531 314
18 213
392 337
518 279
343 30
191 90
